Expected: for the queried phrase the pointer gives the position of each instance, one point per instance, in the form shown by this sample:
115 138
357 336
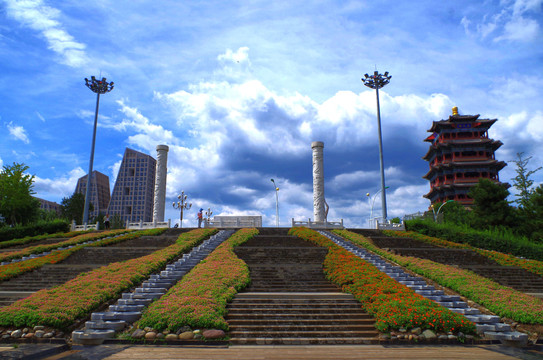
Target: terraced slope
511 276
289 300
82 261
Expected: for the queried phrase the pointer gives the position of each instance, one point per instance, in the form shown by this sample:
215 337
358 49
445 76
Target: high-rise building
48 205
100 194
460 154
133 193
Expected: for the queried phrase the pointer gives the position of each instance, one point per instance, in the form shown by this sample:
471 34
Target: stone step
301 327
302 333
274 317
304 340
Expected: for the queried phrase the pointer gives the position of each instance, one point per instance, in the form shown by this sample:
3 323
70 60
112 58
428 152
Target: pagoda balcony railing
460 159
442 140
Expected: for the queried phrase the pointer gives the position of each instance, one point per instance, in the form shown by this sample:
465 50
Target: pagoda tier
459 155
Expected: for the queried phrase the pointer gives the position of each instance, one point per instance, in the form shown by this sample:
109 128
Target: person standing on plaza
106 222
200 217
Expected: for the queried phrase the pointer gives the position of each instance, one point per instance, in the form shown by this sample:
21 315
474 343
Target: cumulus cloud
18 132
44 19
59 187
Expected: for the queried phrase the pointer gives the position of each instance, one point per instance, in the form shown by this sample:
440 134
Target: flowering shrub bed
30 239
199 299
534 266
38 249
60 306
392 304
10 270
502 300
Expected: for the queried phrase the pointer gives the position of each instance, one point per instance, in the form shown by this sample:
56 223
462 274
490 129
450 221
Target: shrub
39 228
501 240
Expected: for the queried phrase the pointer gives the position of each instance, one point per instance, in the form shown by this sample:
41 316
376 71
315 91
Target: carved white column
318 182
160 182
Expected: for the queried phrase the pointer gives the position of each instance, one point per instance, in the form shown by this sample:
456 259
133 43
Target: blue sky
240 89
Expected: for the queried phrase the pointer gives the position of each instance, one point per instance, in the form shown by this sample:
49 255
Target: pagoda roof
495 145
454 120
490 163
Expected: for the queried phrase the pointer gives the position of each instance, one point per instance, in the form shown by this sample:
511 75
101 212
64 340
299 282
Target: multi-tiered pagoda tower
460 153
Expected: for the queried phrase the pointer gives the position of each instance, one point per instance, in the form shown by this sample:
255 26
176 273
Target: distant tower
160 182
100 195
134 188
460 153
319 211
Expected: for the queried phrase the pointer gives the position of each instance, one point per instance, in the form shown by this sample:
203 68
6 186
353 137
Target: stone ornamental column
318 182
160 182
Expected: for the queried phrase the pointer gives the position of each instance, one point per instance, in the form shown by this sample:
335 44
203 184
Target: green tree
17 205
116 222
522 181
490 205
72 207
455 213
533 213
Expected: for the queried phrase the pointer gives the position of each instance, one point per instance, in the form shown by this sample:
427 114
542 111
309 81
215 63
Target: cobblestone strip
487 325
128 308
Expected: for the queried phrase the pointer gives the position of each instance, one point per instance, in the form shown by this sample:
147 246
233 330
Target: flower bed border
38 249
503 301
30 239
393 305
200 298
62 305
533 266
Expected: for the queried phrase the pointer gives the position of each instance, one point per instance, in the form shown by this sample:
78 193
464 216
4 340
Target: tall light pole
98 87
377 81
276 203
373 201
181 205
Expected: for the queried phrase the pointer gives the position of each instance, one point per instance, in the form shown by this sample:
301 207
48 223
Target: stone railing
75 227
319 224
234 222
148 225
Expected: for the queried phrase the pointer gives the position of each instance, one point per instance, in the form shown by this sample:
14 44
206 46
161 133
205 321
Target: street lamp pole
276 203
208 216
182 205
436 214
377 81
98 87
373 201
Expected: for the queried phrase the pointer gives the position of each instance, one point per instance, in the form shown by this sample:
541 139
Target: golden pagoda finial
455 110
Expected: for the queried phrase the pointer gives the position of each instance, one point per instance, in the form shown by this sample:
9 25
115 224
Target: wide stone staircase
289 301
511 276
84 260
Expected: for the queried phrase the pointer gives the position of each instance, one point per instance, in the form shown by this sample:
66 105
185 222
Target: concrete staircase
511 276
82 261
289 300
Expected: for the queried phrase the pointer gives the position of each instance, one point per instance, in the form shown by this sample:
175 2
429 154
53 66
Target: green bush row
39 228
498 239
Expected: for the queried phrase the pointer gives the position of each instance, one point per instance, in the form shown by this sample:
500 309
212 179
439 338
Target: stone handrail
319 224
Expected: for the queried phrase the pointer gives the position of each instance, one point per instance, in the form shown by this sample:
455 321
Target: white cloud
40 116
18 132
57 188
520 29
513 21
40 17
